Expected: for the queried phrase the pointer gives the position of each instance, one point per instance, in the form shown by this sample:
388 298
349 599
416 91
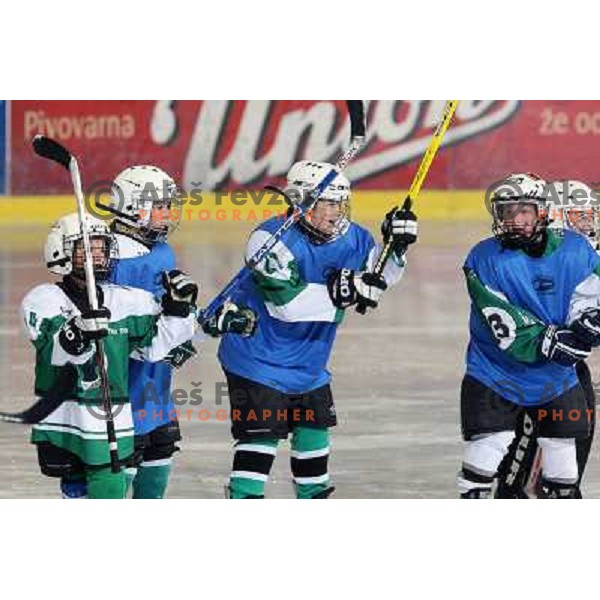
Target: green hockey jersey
136 329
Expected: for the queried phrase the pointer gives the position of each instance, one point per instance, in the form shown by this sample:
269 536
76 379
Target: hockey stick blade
48 148
17 418
38 411
358 123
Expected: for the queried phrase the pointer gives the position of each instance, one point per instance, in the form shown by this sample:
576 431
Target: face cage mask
150 232
517 240
140 226
590 214
318 237
101 273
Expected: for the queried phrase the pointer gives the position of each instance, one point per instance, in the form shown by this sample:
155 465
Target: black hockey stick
47 403
38 411
52 150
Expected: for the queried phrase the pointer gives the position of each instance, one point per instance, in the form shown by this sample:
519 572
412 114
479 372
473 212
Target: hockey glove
401 227
347 288
180 355
564 347
587 327
181 293
230 318
77 334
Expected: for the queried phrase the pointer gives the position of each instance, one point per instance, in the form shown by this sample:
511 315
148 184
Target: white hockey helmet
304 176
518 189
146 202
574 205
65 233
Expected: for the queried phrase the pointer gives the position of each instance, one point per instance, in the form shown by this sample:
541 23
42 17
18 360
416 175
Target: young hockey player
534 294
147 208
278 380
573 205
580 213
145 203
72 440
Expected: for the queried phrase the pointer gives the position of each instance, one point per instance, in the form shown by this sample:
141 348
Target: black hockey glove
348 288
181 294
230 318
180 355
401 227
587 327
564 347
77 334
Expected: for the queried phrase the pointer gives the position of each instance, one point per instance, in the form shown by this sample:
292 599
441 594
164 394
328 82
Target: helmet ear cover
62 241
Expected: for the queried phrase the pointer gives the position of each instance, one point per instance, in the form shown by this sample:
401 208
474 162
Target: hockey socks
73 488
130 473
102 483
152 479
253 460
309 457
97 483
252 464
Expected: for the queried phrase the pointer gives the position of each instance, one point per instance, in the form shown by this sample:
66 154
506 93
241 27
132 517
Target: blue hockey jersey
297 321
149 383
514 298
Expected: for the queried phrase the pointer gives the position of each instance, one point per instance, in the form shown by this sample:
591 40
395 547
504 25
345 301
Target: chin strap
534 246
131 232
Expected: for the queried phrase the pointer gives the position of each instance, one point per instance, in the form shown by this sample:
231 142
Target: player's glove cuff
347 288
587 327
562 346
230 318
72 340
180 355
401 228
181 294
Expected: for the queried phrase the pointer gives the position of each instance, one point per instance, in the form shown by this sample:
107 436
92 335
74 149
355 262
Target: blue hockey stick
357 133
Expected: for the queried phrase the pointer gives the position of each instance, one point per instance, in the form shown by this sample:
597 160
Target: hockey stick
52 150
415 186
38 411
45 406
357 134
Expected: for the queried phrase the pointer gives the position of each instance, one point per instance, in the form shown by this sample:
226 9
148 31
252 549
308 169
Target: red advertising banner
246 144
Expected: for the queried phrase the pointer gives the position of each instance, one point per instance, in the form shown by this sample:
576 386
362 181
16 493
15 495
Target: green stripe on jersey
280 291
517 331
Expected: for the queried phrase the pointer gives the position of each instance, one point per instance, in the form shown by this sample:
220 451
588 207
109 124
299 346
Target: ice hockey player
147 207
278 380
573 205
72 440
534 296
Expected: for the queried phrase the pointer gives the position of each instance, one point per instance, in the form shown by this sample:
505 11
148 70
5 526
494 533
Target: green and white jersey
137 329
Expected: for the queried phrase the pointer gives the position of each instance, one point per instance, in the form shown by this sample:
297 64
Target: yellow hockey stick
419 178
